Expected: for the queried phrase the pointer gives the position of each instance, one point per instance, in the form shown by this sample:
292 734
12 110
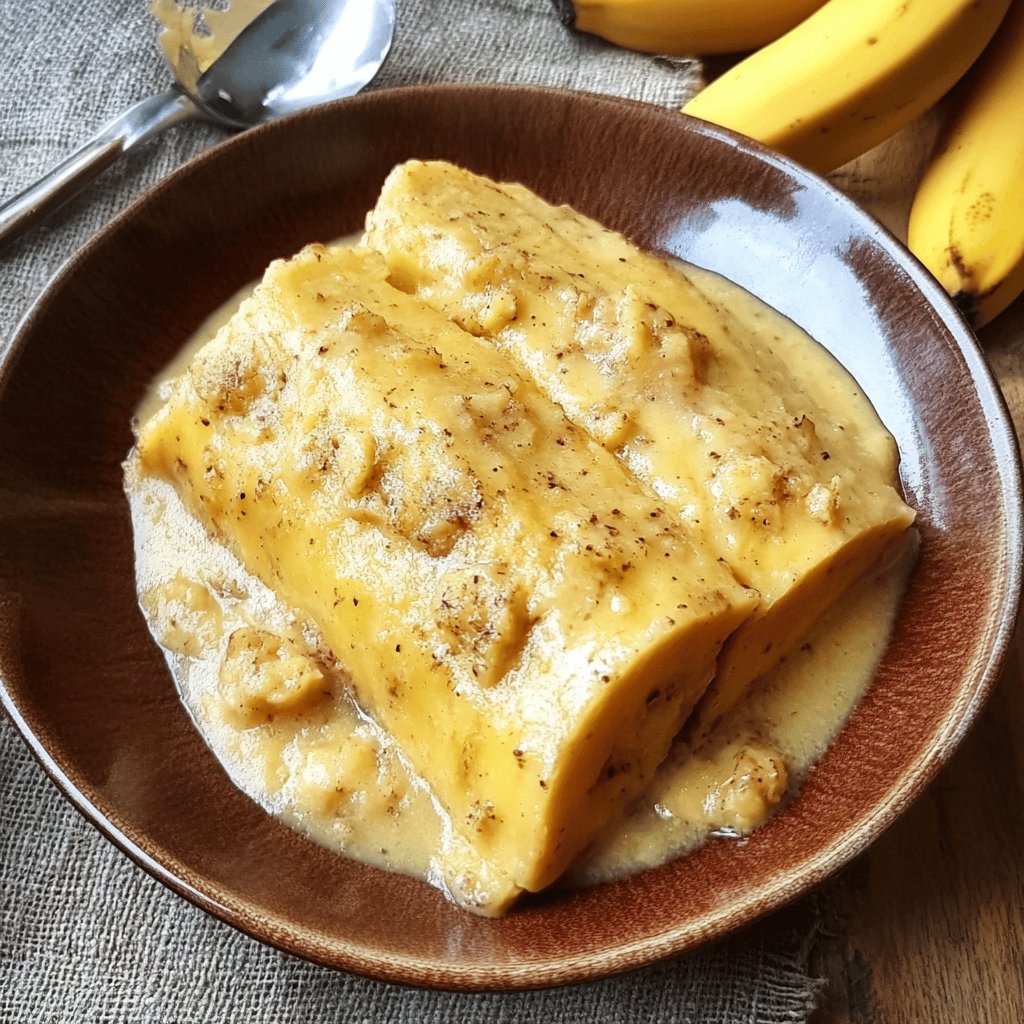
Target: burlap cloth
84 934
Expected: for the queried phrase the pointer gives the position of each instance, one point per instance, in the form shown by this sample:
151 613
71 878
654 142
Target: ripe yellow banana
687 27
967 218
850 75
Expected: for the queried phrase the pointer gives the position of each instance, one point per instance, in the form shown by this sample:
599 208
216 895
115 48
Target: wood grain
929 924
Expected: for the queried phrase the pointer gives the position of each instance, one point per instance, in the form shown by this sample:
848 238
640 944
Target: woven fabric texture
85 936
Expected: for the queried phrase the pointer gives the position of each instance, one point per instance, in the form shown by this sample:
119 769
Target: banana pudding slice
528 622
762 445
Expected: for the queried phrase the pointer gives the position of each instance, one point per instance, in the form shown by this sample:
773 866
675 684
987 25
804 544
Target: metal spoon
295 54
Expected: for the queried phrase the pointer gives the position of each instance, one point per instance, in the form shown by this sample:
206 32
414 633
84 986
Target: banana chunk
262 674
788 477
526 621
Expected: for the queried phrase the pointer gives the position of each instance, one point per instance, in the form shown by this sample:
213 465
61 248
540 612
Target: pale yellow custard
437 612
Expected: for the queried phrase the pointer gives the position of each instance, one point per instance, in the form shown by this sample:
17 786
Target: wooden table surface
928 925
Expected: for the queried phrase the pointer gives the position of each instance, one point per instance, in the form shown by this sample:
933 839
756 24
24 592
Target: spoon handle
135 125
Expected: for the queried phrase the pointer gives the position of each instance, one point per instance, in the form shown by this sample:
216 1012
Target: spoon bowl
291 55
309 52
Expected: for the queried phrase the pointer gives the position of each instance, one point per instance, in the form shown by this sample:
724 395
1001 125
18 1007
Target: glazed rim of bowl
326 166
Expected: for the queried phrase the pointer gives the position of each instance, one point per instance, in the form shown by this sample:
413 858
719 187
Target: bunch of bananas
830 79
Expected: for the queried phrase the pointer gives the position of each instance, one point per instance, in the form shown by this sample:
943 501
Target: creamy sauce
275 710
754 760
324 768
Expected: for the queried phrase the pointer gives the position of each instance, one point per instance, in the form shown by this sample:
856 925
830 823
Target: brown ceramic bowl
88 688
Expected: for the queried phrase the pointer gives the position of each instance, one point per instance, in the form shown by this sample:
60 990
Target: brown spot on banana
982 208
